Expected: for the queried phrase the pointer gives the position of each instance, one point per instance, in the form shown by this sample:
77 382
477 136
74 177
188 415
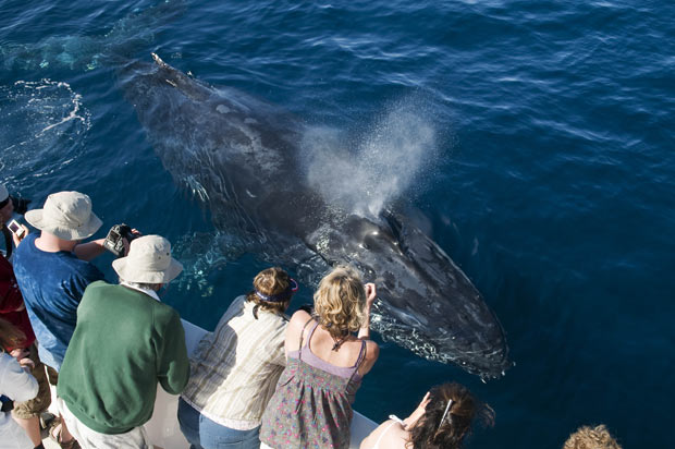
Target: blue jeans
202 433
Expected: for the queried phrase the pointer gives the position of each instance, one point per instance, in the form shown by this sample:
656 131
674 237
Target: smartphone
16 228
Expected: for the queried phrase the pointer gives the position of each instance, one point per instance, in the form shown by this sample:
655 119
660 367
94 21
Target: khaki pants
136 438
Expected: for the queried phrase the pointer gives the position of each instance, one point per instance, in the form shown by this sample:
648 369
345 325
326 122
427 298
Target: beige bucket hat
67 215
149 261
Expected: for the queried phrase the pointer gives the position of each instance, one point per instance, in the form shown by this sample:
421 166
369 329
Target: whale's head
427 304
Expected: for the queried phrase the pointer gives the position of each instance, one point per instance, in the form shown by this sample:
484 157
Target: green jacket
124 343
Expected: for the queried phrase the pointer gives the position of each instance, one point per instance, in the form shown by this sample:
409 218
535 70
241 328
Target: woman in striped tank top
235 369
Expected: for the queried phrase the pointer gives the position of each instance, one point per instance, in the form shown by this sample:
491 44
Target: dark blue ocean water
550 180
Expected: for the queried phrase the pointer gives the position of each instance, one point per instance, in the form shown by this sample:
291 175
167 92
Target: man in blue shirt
53 270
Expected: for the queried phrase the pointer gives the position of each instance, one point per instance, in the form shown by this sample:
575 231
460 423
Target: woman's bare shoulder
394 436
300 317
298 321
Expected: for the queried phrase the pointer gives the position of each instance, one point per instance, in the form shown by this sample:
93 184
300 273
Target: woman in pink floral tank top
326 361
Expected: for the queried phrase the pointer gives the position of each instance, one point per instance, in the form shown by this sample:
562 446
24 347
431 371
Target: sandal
55 435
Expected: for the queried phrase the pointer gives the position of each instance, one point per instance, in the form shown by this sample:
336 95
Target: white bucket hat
67 215
149 261
4 193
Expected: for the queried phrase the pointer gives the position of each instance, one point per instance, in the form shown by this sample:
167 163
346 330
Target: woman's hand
371 294
411 420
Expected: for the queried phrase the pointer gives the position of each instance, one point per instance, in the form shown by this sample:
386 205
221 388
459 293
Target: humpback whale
241 154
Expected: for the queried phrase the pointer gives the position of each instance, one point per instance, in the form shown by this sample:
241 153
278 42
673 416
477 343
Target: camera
114 241
16 228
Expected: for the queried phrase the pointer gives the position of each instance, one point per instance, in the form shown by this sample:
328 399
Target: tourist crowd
259 380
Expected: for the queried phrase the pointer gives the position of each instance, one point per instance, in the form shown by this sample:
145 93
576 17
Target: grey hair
142 285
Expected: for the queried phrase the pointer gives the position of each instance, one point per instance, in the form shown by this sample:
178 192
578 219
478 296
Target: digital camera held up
114 241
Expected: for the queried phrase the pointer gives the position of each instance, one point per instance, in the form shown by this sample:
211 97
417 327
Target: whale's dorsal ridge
159 60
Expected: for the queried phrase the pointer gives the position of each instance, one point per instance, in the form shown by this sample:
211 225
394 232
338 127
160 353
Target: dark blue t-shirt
52 285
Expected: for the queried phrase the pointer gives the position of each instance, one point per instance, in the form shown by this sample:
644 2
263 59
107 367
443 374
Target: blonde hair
591 438
11 337
340 301
271 281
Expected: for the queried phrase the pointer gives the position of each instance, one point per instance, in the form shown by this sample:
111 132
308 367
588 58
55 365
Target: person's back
52 285
117 355
319 349
12 307
312 404
125 343
235 369
245 357
17 385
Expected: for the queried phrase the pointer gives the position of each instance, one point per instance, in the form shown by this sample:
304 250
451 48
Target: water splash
366 176
42 126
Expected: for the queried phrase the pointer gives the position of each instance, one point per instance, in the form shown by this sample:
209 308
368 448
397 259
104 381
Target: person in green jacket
125 342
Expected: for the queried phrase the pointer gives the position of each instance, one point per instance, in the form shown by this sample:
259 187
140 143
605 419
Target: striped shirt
235 369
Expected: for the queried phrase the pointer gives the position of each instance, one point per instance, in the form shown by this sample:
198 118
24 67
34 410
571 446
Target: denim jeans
202 433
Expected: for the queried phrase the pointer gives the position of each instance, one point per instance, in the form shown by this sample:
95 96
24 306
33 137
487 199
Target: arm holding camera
90 250
117 241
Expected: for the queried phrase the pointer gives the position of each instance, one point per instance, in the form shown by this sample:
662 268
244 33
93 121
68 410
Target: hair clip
445 413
